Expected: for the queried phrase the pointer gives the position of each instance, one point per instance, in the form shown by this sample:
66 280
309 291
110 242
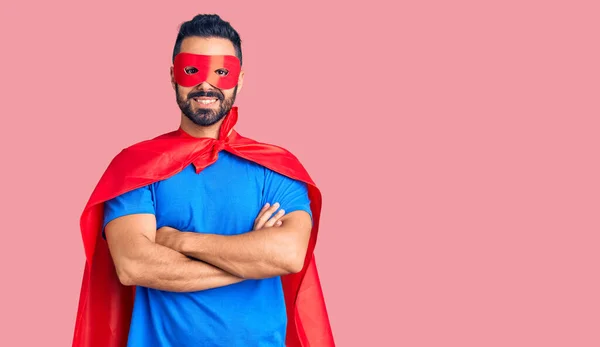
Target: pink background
456 144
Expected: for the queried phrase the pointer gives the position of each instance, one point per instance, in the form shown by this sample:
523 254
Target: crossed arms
179 261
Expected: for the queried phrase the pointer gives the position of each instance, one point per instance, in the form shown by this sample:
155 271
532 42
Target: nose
205 86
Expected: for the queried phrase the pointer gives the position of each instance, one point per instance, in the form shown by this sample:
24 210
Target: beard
205 117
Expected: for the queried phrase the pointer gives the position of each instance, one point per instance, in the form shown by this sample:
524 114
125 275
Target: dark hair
208 25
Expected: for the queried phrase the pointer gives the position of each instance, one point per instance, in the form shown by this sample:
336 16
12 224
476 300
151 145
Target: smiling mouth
205 101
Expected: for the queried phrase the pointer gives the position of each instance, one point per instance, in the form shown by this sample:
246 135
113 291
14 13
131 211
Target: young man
214 231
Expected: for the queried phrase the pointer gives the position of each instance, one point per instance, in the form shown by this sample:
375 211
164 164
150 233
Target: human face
205 104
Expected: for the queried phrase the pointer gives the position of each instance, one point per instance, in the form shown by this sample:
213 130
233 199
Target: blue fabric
224 198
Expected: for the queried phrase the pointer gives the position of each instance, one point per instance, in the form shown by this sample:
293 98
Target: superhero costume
105 305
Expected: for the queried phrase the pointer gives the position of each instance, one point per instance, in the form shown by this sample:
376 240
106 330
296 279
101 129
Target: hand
169 237
265 218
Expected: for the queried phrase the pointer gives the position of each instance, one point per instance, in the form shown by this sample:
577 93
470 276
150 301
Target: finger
275 218
262 219
273 208
278 224
262 210
260 213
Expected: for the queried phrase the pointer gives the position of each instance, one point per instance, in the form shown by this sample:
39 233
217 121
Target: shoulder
276 153
277 159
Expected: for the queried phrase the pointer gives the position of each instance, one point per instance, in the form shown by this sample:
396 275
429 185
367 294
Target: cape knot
218 146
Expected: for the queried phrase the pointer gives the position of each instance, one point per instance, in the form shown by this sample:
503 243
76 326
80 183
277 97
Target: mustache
206 93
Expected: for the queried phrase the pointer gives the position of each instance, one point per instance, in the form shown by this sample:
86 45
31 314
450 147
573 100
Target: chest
223 199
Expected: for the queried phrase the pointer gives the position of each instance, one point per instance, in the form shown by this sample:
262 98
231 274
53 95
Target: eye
190 70
222 72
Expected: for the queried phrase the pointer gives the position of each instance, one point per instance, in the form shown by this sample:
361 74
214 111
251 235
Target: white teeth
206 102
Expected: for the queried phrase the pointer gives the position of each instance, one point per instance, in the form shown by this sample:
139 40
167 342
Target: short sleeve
292 195
140 200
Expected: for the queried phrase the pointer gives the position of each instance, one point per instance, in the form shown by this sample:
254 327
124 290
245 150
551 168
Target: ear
240 81
172 78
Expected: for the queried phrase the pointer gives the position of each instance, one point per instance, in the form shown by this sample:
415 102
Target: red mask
221 71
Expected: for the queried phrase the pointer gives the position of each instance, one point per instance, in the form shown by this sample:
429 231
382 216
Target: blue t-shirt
224 198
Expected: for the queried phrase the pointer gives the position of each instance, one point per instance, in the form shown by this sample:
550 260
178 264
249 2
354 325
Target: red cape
105 305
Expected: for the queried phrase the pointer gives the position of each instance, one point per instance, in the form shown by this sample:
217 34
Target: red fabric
105 305
206 66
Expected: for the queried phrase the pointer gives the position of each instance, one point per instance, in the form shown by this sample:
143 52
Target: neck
196 130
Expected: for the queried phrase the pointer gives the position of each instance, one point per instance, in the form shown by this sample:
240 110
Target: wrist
190 244
183 240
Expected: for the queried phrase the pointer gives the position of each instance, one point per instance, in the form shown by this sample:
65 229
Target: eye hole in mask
221 71
190 70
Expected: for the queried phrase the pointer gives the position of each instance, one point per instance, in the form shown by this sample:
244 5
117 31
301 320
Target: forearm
158 267
264 253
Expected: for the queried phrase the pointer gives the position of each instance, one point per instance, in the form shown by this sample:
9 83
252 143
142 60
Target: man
214 231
